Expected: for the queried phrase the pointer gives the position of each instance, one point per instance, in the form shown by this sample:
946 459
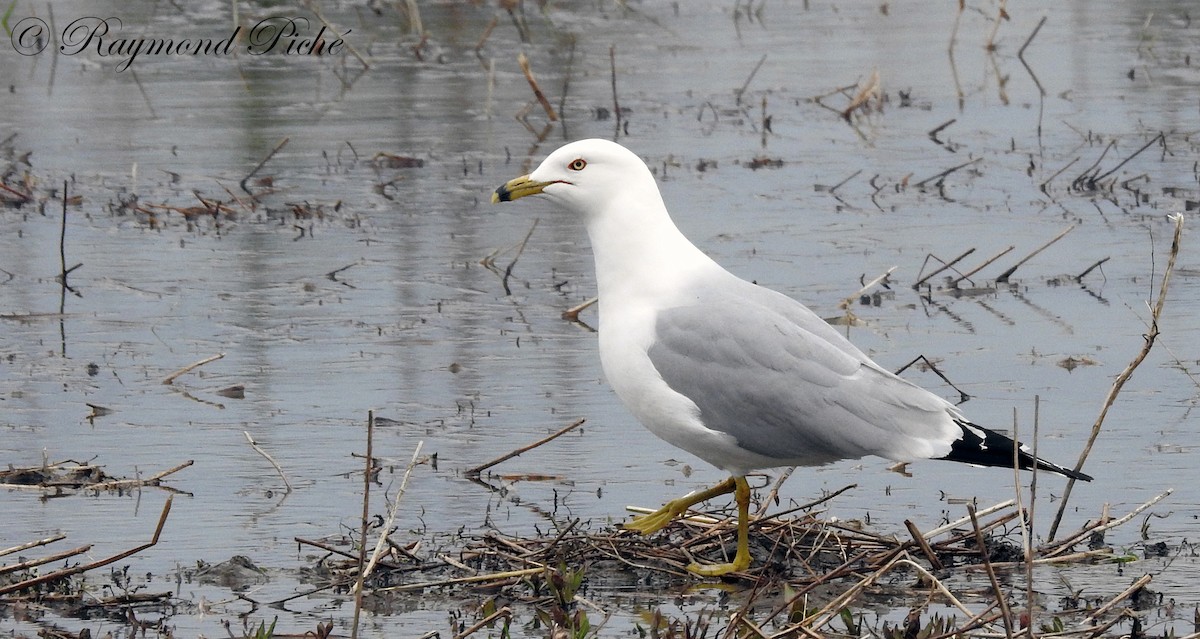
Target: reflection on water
345 283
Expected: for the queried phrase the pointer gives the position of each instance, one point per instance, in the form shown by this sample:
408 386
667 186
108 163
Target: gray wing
766 370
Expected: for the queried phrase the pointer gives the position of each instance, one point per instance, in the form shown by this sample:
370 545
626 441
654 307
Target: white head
585 177
636 245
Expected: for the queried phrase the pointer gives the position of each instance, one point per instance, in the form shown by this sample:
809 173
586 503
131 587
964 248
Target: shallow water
418 330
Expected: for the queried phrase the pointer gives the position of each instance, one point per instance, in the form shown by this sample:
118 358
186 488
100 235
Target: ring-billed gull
738 375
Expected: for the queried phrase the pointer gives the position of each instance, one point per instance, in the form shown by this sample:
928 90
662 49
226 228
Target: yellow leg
741 560
659 519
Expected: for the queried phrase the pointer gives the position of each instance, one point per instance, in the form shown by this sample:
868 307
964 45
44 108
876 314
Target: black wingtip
984 447
1066 472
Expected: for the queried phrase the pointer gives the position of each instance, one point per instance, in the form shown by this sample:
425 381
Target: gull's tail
984 447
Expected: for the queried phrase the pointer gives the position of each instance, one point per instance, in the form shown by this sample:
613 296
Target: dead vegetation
62 478
811 575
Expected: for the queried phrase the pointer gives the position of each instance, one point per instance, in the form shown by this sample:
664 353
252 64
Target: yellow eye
577 164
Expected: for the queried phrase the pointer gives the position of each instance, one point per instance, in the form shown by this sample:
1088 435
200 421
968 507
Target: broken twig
1003 277
267 456
523 60
1149 338
173 376
474 472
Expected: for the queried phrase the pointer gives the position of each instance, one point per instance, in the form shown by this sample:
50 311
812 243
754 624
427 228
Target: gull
732 372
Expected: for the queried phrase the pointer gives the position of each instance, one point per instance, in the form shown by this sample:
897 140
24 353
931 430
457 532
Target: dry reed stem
415 26
1055 548
173 376
267 456
252 173
986 263
74 570
523 60
1003 277
1079 278
366 514
845 303
934 562
933 133
520 250
505 613
1001 14
1026 517
492 535
966 520
487 33
474 472
835 187
325 547
846 567
774 492
962 5
391 518
745 85
1149 338
1048 561
1045 185
457 564
24 197
496 576
237 199
1160 138
572 314
33 544
1082 180
948 171
62 239
817 99
612 62
44 560
1001 599
945 265
1097 613
491 88
1021 51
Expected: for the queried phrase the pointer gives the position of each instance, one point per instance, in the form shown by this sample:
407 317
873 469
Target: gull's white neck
639 251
